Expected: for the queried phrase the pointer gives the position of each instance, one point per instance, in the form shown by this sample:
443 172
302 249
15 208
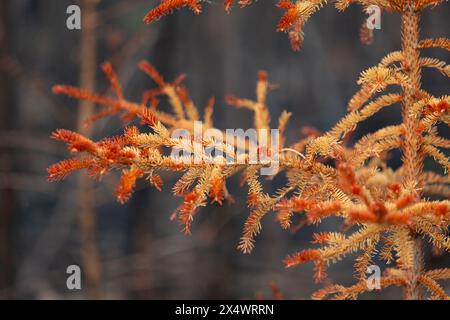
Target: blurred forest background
134 251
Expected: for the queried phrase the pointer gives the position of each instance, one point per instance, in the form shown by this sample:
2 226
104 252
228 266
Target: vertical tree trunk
7 194
412 157
88 64
413 290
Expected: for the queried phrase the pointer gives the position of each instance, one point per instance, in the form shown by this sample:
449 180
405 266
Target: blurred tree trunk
88 64
7 194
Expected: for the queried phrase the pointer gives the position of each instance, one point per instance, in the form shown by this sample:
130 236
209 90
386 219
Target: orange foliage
385 212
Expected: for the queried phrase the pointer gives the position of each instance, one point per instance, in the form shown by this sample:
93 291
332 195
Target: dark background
140 253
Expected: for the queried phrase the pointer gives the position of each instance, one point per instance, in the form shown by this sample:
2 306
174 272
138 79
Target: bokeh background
134 251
